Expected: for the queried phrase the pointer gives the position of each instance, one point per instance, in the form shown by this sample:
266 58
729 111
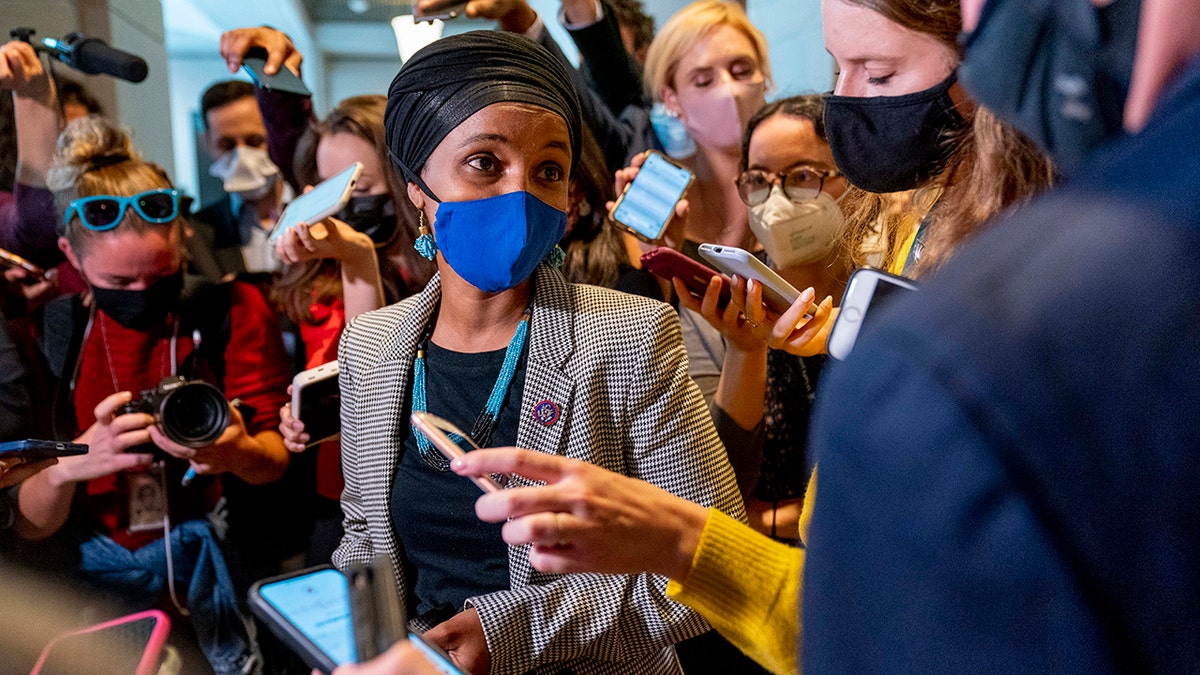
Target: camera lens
194 415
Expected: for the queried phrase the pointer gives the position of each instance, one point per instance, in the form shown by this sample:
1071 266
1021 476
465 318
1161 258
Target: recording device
324 200
647 205
309 611
376 612
317 402
32 450
866 291
443 10
255 63
667 263
777 293
10 259
88 55
438 431
192 413
130 644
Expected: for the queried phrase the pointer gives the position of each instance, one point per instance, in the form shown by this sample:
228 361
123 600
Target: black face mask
141 310
892 143
1057 70
374 216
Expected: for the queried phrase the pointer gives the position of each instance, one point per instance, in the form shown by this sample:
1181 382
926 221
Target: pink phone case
147 664
667 263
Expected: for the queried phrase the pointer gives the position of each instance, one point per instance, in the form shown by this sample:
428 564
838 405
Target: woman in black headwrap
485 128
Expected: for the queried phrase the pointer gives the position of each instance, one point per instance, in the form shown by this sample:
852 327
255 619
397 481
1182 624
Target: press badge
147 502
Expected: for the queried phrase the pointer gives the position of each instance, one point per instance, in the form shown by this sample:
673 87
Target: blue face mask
495 243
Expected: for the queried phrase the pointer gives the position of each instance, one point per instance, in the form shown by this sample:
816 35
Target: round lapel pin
546 413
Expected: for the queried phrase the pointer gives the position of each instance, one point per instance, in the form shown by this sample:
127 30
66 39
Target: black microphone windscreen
93 56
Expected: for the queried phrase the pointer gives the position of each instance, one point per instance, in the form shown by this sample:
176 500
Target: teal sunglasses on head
104 212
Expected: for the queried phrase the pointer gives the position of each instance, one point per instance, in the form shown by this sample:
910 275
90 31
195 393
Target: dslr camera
193 413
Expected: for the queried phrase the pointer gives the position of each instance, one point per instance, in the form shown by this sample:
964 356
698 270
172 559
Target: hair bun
87 144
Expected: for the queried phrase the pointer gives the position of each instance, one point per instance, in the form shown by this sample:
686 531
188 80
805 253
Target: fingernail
458 464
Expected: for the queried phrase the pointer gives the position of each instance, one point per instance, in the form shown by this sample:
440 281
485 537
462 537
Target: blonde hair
96 158
687 27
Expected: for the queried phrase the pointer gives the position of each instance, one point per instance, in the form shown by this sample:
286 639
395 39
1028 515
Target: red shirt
256 371
320 347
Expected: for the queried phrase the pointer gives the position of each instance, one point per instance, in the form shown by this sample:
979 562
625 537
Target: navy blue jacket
1010 459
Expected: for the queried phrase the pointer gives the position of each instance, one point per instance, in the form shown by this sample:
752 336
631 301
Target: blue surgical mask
1057 70
495 243
671 132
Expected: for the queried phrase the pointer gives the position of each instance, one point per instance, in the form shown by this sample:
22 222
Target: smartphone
284 79
440 659
130 644
647 205
377 609
32 450
445 10
309 611
10 259
866 291
317 401
667 263
777 293
324 200
438 431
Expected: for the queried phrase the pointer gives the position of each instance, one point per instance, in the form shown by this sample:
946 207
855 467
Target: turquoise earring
556 257
424 244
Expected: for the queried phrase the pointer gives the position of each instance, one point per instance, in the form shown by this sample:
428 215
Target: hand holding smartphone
667 263
34 274
323 201
438 431
647 205
255 63
317 402
777 293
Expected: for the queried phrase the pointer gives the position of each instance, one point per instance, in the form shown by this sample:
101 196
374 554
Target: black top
451 553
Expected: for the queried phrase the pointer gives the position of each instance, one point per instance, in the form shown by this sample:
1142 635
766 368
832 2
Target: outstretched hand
280 50
586 518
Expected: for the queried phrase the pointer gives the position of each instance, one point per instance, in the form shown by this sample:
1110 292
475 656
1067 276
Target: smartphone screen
649 203
324 200
317 605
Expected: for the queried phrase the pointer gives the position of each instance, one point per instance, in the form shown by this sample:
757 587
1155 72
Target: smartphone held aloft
326 199
647 205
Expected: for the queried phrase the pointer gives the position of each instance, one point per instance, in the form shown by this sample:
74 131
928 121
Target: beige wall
133 25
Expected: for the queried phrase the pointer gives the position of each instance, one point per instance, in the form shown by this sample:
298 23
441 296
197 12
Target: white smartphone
317 402
438 431
647 205
324 200
866 291
777 293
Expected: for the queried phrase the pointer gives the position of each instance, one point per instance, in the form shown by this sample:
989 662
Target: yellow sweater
747 586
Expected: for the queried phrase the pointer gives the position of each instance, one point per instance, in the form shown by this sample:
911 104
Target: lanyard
485 424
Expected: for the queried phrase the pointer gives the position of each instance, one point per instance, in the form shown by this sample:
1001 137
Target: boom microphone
90 55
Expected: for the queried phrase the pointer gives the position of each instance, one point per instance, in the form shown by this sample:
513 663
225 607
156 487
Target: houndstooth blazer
614 370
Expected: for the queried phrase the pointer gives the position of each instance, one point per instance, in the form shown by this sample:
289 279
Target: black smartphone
443 10
284 79
317 402
32 450
377 611
866 291
309 611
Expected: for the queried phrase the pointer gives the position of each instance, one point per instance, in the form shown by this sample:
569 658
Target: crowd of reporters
660 444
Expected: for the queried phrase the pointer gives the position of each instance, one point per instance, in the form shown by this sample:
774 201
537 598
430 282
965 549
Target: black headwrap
457 76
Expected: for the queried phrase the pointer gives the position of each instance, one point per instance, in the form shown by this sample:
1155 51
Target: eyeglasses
799 184
104 212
